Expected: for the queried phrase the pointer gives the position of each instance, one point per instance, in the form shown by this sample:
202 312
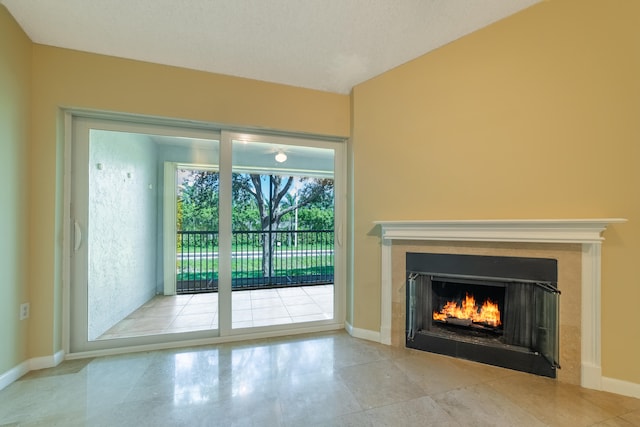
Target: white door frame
169 252
180 128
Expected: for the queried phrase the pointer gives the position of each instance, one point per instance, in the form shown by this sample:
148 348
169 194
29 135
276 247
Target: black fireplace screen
457 308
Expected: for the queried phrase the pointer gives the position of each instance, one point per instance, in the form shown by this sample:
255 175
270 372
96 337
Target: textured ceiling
329 45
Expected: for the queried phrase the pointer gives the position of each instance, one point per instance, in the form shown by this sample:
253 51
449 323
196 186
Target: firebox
497 310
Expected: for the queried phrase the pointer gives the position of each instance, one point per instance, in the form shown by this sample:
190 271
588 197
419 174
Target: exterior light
281 157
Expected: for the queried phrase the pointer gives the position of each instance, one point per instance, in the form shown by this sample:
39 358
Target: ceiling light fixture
281 157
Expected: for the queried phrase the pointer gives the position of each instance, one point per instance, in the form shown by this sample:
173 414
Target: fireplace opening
497 310
467 308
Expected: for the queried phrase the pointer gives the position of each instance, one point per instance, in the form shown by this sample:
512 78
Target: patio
250 308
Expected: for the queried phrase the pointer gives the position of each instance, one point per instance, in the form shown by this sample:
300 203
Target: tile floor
328 379
181 313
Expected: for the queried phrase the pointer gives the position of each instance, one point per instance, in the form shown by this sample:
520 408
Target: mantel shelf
507 230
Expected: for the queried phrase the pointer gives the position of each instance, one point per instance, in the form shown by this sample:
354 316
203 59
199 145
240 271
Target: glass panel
547 315
197 231
282 234
126 291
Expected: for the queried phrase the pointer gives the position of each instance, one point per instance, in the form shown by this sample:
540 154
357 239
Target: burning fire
488 314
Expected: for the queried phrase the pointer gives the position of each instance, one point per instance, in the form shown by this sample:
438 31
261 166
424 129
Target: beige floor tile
423 411
242 315
157 311
304 309
552 402
243 304
208 298
275 300
264 293
198 309
297 300
237 296
379 383
291 292
192 320
324 379
269 313
267 303
480 405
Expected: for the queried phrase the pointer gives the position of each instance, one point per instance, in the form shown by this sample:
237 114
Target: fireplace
497 310
575 243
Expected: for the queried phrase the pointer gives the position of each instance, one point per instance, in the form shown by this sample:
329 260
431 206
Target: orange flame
488 314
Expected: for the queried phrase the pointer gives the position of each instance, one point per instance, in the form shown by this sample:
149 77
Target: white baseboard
13 374
46 361
624 388
591 376
34 364
364 334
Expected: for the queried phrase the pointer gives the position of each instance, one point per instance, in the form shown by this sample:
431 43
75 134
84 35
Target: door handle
339 236
77 236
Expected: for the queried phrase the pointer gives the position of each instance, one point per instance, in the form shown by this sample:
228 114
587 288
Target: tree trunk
268 245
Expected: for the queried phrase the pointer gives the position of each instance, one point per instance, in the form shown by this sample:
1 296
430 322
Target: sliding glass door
121 251
283 222
181 233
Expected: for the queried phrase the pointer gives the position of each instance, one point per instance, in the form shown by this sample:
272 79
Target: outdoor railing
293 258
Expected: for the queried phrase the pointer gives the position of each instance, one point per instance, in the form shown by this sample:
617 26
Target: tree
268 192
198 201
260 201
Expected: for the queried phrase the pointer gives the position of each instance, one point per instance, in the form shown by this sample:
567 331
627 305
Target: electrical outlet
24 311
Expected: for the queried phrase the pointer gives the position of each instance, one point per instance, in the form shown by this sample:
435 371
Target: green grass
207 268
250 274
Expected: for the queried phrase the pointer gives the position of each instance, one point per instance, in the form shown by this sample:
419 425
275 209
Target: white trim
510 230
173 127
386 298
34 364
584 231
364 334
225 227
13 374
44 362
591 368
624 388
340 227
206 341
169 228
66 232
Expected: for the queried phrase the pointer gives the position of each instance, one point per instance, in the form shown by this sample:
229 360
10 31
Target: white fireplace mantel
587 232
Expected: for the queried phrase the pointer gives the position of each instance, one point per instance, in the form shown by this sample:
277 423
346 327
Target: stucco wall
121 228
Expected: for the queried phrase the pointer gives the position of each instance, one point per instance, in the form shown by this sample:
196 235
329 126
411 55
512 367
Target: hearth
497 310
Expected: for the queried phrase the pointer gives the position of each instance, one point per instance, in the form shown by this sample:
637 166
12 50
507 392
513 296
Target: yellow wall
15 69
536 116
65 78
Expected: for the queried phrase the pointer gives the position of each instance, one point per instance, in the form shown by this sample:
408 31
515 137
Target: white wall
122 226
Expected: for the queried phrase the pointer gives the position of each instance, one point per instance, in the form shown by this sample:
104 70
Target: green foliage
198 201
315 218
258 201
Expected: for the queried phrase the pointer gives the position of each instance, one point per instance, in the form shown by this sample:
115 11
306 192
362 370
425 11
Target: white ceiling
329 45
